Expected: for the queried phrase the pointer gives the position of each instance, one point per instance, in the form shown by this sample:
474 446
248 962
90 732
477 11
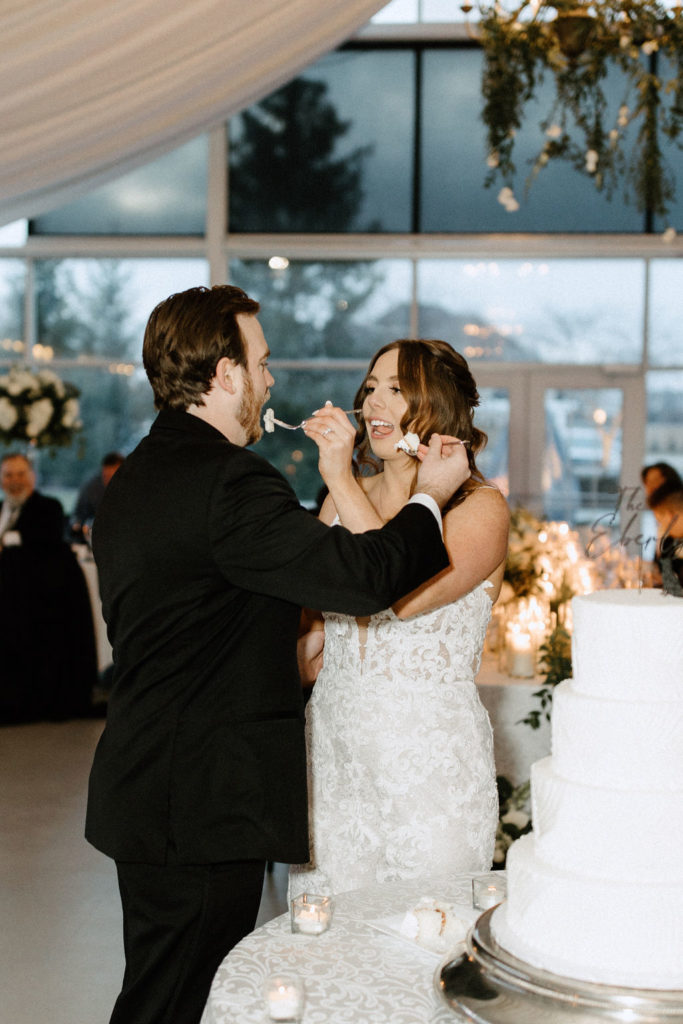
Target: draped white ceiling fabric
92 88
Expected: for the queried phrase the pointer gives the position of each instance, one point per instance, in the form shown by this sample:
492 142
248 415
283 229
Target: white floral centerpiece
38 408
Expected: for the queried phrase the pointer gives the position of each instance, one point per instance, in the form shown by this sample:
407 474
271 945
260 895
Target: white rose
20 380
517 818
48 377
500 851
39 415
70 413
8 414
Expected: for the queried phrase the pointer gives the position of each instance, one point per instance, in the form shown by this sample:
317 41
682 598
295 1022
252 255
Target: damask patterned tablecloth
353 973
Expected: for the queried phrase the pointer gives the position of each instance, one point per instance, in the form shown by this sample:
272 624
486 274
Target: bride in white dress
401 771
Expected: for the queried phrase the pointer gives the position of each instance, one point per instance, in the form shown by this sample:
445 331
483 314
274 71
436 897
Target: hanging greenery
578 44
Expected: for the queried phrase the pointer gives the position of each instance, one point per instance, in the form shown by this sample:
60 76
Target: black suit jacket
41 520
47 639
205 557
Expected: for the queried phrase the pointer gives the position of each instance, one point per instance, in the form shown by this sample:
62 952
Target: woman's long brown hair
441 395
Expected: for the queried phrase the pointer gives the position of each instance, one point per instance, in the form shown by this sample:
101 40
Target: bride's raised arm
334 434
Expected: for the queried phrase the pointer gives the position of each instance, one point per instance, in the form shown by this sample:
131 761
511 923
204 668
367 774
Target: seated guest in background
47 639
659 475
668 511
91 494
27 517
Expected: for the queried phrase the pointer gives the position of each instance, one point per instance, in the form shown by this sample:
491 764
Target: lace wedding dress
400 750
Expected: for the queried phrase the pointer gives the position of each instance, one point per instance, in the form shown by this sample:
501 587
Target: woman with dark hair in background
659 479
402 778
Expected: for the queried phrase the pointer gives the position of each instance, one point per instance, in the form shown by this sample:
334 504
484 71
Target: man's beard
249 414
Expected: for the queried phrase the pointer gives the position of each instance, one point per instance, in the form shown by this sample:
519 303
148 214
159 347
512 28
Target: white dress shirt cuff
428 502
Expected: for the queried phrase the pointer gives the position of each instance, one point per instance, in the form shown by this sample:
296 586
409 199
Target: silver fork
269 417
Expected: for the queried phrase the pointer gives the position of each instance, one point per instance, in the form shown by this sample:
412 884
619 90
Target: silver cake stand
490 986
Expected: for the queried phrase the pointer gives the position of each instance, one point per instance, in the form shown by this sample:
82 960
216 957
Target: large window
535 310
90 316
12 299
315 156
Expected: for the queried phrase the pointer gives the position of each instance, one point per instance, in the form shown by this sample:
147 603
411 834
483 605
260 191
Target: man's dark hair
186 335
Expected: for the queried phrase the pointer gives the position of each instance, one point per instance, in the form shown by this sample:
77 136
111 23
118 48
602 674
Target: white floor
61 956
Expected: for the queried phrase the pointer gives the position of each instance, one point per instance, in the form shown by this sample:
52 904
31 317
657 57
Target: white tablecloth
353 973
89 568
508 700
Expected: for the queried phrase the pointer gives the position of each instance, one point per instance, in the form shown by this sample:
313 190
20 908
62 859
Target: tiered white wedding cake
596 890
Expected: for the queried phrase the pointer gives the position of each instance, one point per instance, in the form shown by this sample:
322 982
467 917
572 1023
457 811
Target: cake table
487 985
355 973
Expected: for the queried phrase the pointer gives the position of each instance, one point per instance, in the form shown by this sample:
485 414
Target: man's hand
443 469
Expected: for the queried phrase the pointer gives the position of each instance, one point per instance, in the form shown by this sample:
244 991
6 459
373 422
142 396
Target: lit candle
486 894
521 654
284 998
311 915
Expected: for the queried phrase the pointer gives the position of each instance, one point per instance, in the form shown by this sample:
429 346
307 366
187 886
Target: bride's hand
334 434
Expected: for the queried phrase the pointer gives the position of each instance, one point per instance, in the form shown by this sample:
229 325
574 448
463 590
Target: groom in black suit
205 557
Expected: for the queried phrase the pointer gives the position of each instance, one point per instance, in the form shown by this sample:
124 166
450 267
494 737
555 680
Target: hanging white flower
506 198
651 46
8 414
591 161
38 416
493 159
553 131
